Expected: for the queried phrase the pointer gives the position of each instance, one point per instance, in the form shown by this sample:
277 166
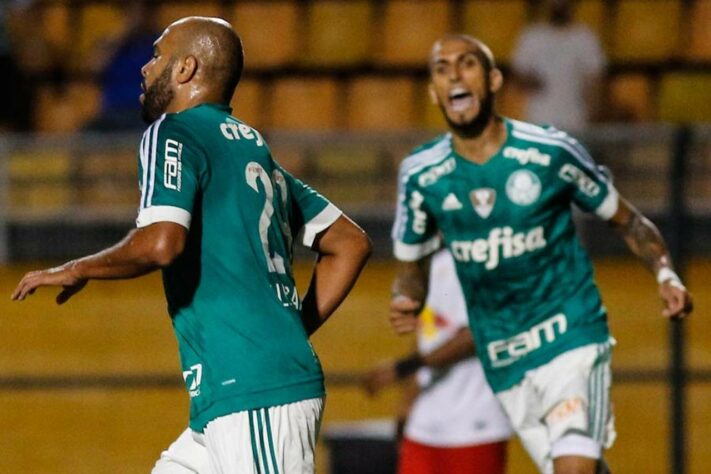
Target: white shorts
563 408
274 440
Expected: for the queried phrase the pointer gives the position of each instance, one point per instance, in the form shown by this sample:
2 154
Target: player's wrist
667 275
408 366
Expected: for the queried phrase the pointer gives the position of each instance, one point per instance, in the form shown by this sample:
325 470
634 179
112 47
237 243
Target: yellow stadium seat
97 22
338 32
496 22
631 97
67 109
700 31
409 29
247 102
646 30
301 103
592 13
381 103
56 28
269 32
685 97
168 12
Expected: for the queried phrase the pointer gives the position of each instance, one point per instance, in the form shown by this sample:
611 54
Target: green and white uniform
528 282
231 293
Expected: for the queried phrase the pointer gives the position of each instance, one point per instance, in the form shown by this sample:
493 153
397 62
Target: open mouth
460 99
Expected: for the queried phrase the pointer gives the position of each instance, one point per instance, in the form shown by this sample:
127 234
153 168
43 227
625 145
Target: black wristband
408 366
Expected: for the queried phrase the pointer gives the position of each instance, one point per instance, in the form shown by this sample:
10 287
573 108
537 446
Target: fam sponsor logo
575 175
238 131
530 155
483 200
172 165
523 187
502 243
507 351
433 175
193 379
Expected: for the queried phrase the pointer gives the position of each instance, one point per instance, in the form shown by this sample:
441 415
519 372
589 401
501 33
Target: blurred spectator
16 92
559 63
118 64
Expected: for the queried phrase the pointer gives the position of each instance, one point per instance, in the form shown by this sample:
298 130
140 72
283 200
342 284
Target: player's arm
645 241
459 347
343 248
141 251
409 294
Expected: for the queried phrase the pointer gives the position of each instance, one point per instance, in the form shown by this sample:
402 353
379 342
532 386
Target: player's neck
188 98
481 148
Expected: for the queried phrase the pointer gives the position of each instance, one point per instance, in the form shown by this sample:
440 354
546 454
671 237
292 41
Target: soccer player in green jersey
219 216
498 193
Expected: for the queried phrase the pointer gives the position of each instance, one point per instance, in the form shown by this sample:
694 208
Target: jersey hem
595 334
254 400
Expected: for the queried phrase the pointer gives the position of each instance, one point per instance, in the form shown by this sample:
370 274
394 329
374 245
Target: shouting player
499 193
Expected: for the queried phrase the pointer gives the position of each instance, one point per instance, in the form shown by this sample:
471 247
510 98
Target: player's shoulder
427 155
547 140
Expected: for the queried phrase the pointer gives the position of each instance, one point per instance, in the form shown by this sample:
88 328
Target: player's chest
503 192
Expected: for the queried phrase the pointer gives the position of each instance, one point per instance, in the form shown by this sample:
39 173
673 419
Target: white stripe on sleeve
608 208
412 252
322 221
153 214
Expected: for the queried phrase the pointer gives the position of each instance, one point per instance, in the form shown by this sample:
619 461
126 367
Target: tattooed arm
645 241
409 293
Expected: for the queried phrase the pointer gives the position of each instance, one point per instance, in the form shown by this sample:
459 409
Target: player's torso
508 224
232 293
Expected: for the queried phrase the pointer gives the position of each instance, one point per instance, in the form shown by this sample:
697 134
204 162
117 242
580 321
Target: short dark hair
483 53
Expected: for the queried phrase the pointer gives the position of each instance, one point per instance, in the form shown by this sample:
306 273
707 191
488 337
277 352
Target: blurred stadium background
338 88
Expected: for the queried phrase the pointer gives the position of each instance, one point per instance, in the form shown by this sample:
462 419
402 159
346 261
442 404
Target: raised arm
343 248
143 250
645 241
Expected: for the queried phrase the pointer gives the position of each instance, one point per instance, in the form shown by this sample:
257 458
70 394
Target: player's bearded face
471 121
158 96
461 87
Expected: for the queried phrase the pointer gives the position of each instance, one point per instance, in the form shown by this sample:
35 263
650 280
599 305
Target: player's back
231 292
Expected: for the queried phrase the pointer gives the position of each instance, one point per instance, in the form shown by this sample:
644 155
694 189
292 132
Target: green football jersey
231 293
508 222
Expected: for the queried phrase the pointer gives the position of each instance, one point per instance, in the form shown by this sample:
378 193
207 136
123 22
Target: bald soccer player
499 194
219 217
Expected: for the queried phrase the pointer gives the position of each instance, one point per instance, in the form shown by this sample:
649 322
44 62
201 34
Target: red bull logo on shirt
502 243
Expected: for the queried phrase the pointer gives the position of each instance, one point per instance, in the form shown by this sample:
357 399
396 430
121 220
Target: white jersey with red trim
456 406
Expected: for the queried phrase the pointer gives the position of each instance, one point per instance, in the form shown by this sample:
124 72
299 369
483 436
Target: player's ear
432 93
187 67
496 80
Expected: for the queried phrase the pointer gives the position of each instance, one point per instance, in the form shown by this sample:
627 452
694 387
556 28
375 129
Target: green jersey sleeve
311 212
415 233
170 165
590 184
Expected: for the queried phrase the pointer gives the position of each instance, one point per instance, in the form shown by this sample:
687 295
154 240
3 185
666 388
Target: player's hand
676 299
379 377
63 276
403 314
